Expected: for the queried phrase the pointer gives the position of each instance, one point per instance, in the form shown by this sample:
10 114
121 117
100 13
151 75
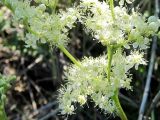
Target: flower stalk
115 98
109 55
65 51
112 8
120 111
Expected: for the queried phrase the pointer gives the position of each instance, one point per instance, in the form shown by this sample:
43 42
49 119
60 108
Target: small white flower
136 59
68 109
81 99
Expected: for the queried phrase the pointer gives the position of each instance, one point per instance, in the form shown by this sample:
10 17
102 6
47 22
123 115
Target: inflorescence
119 31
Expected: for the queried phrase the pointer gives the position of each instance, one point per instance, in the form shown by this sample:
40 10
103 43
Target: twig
29 67
47 106
130 101
34 104
143 3
42 111
50 114
151 65
154 102
148 81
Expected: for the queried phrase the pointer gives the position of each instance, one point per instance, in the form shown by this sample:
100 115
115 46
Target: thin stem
64 50
3 115
112 8
109 55
154 103
120 111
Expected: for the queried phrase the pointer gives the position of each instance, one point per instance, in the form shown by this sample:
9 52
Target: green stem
3 115
120 111
115 98
109 55
112 8
55 3
63 49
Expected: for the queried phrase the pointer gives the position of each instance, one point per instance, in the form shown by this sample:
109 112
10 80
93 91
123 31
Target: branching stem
65 51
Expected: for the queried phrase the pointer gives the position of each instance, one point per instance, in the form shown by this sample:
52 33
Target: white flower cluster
126 29
121 66
43 27
123 29
91 80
